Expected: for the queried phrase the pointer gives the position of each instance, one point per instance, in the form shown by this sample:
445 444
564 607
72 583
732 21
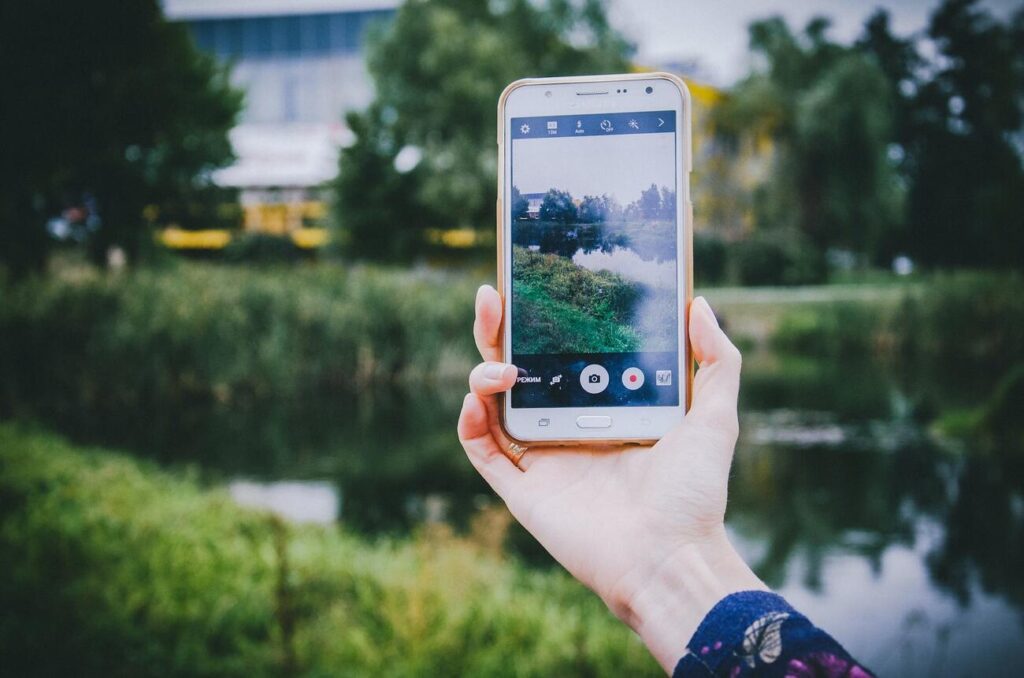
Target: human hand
643 527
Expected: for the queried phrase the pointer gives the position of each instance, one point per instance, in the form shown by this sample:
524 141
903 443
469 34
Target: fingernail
707 309
496 370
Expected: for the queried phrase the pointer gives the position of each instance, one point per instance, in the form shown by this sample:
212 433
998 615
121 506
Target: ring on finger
515 453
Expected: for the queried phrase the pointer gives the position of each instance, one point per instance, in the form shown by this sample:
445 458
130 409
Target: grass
547 325
192 332
754 315
561 307
113 567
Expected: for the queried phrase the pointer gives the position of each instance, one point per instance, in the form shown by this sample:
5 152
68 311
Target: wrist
678 591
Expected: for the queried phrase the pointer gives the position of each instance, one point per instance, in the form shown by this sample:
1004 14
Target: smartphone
595 257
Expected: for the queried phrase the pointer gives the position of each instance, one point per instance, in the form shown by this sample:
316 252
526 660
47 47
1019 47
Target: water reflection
629 264
298 501
653 240
910 550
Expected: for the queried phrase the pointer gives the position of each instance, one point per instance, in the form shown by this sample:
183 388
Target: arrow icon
660 122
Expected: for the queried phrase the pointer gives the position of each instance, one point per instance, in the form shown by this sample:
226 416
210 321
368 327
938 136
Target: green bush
112 567
262 248
956 343
851 331
140 340
962 322
553 326
965 321
564 307
961 336
710 258
603 295
774 258
996 423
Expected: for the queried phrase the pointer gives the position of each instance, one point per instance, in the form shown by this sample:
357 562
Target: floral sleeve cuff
756 633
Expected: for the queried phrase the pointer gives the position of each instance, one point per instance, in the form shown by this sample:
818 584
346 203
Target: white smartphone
595 256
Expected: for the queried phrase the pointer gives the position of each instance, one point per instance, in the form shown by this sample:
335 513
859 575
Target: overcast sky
713 33
620 165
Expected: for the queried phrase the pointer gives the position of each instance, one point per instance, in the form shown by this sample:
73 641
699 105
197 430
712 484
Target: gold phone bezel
504 278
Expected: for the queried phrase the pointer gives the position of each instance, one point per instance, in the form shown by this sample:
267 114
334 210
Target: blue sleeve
756 633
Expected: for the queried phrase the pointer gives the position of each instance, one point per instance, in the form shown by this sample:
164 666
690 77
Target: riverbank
83 346
115 567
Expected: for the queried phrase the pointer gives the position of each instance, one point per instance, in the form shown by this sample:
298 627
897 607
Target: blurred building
301 64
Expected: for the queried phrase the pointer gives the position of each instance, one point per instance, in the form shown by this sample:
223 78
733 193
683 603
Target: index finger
488 322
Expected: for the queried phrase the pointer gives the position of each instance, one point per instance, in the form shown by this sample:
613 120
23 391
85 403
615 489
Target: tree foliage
108 99
558 207
438 69
520 205
960 134
826 108
884 146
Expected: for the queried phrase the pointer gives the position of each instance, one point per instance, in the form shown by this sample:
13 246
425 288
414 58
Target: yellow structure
302 222
180 239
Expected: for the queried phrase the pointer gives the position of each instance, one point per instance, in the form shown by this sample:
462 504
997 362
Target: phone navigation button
592 421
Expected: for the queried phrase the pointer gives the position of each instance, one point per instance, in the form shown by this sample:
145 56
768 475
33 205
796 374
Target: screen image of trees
561 306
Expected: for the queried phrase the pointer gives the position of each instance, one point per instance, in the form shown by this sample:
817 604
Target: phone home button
591 421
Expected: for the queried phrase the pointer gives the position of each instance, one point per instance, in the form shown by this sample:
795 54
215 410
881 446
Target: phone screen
593 208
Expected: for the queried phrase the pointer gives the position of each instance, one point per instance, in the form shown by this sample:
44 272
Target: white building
301 64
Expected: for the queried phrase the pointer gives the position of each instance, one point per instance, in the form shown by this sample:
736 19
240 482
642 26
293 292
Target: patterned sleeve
756 633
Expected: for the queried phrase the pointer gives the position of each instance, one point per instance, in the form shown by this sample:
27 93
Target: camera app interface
594 254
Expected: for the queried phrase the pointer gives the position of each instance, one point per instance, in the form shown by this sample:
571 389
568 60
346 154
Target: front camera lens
649 90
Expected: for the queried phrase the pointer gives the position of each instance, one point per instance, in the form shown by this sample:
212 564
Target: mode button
591 421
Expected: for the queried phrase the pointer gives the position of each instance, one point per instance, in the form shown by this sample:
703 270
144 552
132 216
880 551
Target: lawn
560 307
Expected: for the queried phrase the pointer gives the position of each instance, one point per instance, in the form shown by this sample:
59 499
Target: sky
712 34
620 165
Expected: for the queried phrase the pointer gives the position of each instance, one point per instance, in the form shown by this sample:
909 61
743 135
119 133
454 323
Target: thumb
717 384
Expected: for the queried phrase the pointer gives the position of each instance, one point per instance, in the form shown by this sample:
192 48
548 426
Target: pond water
630 265
909 549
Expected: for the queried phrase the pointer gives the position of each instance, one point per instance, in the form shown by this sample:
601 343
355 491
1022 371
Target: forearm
680 590
702 612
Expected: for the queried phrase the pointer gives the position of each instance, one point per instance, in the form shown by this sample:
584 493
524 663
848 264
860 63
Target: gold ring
515 453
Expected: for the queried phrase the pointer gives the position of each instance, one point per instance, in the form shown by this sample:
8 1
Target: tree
668 203
438 69
558 207
105 98
375 203
966 204
825 106
593 209
520 205
649 204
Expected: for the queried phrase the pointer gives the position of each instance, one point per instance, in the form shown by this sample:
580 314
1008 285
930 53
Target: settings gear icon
524 128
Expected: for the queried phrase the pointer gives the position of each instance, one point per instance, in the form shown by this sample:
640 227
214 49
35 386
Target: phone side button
591 421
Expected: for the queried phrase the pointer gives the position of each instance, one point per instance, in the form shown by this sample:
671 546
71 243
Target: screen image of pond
838 498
